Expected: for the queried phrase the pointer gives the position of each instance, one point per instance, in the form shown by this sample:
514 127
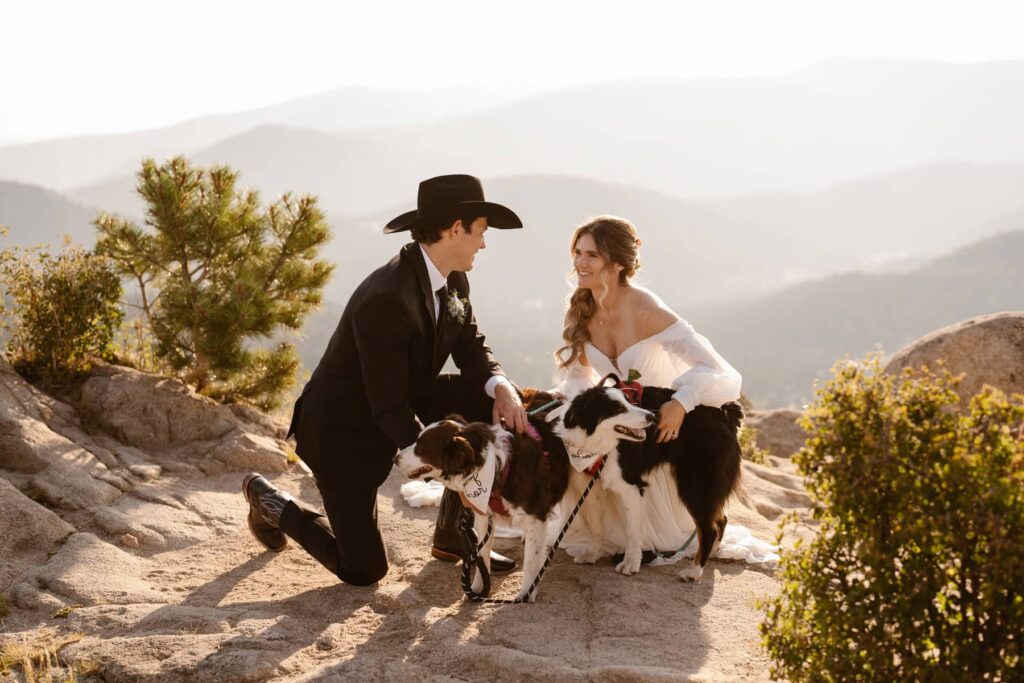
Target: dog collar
495 501
535 435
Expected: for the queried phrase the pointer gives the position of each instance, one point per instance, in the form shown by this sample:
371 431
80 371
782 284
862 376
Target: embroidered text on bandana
476 488
580 459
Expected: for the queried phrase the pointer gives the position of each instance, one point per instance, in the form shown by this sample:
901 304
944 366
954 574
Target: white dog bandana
580 459
476 488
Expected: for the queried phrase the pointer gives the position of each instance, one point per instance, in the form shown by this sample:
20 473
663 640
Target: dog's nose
650 418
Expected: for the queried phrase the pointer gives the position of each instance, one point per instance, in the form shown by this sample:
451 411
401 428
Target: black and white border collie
518 478
704 458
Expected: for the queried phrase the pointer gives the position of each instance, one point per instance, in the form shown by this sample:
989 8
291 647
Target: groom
378 383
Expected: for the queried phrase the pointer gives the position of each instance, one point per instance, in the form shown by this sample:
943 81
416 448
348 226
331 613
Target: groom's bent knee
363 576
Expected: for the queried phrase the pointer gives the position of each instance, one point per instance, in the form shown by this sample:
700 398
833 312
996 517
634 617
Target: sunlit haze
73 68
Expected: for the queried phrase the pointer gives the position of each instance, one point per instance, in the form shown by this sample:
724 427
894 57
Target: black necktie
442 298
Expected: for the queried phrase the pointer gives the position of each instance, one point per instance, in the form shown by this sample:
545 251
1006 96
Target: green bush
749 448
917 571
62 310
219 277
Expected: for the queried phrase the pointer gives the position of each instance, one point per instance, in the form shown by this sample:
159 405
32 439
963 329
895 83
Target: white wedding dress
679 358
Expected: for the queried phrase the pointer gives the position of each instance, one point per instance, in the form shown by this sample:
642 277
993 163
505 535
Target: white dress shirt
437 281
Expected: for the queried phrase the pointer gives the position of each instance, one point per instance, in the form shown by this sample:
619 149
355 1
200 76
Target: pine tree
219 276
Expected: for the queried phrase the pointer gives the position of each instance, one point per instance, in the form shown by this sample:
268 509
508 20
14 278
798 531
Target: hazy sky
89 66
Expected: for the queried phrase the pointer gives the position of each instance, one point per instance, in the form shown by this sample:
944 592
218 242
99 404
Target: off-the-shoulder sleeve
709 379
575 378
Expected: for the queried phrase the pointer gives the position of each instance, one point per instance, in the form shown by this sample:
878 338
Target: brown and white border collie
704 458
519 478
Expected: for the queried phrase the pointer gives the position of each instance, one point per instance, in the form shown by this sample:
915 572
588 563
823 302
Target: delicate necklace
607 314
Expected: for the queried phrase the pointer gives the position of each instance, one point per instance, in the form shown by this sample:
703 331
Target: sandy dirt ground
217 607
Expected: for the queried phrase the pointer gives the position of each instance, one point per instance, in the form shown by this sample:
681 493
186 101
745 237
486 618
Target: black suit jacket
360 404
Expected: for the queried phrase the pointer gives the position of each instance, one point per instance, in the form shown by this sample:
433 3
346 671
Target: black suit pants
347 540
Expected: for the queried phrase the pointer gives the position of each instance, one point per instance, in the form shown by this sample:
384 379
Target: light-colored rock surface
152 412
988 350
243 451
234 612
28 531
63 472
89 571
166 583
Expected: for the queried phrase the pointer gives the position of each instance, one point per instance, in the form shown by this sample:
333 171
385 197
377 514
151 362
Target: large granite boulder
154 413
777 430
28 531
66 473
987 350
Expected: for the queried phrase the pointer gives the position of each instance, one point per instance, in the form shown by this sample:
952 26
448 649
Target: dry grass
37 655
63 612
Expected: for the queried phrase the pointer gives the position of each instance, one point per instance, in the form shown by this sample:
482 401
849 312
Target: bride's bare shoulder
652 314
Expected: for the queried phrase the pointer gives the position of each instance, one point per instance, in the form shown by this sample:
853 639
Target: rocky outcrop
987 350
27 533
777 430
102 464
63 472
144 553
89 571
155 413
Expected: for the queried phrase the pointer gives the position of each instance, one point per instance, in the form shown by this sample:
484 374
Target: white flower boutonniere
457 307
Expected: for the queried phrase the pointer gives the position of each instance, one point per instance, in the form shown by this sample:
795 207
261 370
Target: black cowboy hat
450 197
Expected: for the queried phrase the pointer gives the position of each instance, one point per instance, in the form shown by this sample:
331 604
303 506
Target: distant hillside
783 342
780 342
749 244
691 256
351 174
35 215
93 159
720 137
695 139
879 221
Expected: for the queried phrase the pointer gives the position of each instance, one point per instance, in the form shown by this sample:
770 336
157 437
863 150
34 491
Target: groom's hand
508 409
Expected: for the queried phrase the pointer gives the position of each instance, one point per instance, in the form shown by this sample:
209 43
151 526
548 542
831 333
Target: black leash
466 524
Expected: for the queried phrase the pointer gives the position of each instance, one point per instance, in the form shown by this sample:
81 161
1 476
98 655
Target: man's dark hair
428 234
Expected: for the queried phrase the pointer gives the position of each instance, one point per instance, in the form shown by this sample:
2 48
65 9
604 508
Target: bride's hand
670 420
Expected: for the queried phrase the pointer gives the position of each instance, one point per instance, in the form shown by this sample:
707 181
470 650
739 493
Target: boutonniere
457 306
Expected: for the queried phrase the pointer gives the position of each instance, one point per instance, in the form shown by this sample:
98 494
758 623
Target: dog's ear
572 416
432 442
577 412
588 409
479 435
459 456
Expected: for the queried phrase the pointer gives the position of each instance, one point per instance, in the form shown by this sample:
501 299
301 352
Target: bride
614 326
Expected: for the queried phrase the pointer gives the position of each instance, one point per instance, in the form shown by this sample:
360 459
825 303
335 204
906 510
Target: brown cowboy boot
266 503
451 546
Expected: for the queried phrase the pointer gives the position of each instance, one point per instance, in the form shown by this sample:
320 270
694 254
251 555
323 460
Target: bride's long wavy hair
617 242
